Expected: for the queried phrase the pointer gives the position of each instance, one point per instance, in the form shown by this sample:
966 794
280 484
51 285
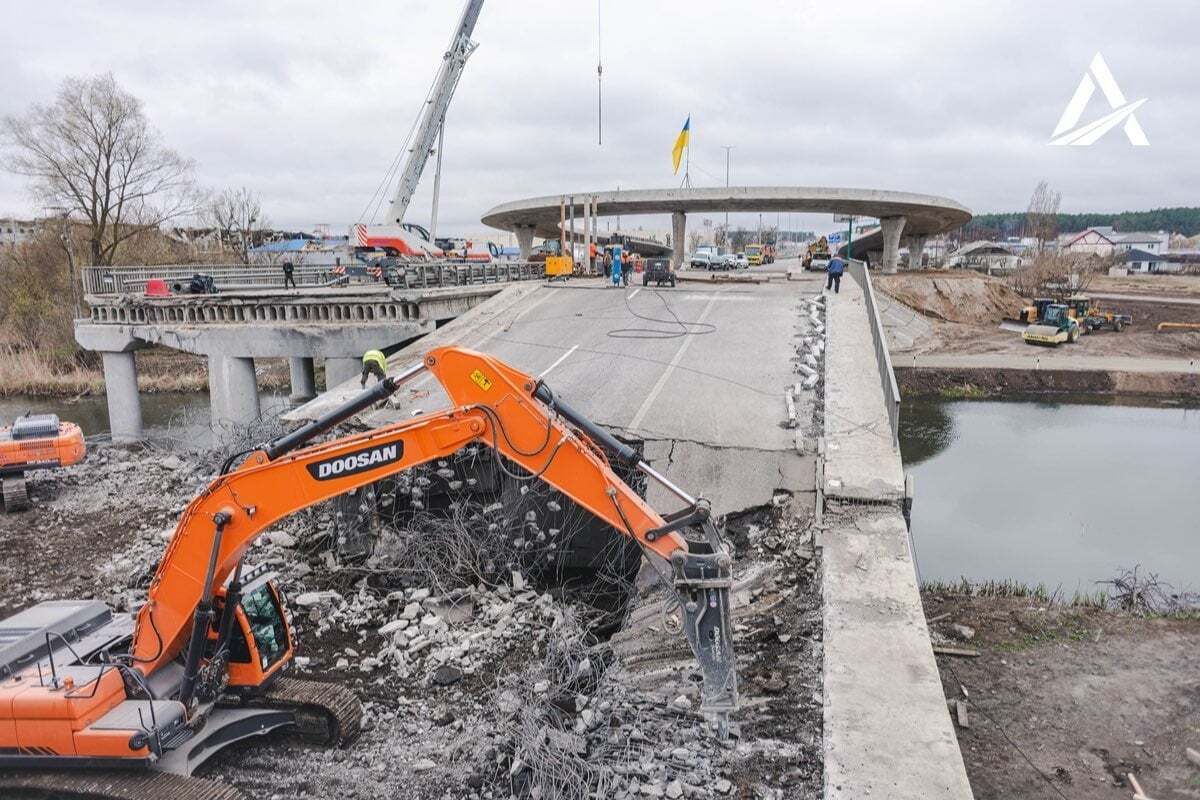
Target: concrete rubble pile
480 683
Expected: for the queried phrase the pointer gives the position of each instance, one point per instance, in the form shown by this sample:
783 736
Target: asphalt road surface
698 372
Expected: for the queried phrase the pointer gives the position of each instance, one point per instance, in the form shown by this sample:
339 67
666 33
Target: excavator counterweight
205 662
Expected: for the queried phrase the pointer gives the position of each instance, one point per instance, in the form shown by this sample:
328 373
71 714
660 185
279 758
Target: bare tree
1058 275
238 218
93 152
1041 219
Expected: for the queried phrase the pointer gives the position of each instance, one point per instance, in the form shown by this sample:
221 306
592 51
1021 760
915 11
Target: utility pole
727 148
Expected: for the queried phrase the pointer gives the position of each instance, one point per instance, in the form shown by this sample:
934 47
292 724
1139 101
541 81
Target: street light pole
727 148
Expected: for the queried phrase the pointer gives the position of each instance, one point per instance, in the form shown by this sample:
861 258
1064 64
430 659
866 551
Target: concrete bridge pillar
916 247
340 370
892 228
121 388
524 240
304 381
678 238
232 390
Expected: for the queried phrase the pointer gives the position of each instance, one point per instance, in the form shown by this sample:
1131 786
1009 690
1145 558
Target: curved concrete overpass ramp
915 215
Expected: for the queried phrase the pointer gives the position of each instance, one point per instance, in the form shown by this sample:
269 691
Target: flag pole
687 163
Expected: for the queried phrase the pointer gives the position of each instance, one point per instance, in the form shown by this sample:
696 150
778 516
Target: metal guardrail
100 281
887 377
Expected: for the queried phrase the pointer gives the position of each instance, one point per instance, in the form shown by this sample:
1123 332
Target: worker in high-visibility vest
374 363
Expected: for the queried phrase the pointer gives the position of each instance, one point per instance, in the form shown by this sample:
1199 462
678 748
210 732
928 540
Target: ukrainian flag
680 143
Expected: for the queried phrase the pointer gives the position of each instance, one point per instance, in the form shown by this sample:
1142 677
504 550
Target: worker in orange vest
592 257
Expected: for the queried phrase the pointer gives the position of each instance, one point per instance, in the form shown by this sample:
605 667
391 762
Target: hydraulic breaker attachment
702 582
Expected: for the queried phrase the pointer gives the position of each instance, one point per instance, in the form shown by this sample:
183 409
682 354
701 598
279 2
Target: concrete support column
340 370
678 238
124 403
304 380
232 391
916 247
524 240
892 228
587 235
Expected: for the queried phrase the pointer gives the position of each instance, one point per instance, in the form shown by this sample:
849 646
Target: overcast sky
307 103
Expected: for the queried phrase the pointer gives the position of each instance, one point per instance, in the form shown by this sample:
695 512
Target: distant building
1102 240
1096 241
16 231
1143 262
985 257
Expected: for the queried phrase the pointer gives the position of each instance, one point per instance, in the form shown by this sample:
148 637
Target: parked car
740 261
700 261
658 271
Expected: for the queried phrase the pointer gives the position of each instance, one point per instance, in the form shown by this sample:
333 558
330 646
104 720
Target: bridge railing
444 274
887 376
133 279
101 281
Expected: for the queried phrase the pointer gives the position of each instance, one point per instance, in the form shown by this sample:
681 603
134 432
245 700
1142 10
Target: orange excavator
206 661
35 442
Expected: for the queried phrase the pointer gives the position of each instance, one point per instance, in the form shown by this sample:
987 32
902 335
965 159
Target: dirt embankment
1088 695
964 382
961 296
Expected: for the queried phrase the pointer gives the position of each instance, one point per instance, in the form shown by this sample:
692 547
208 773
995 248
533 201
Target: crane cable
599 79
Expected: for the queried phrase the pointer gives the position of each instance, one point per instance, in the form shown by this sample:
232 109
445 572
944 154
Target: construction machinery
1078 307
405 239
1034 313
1056 326
35 442
206 660
817 255
758 254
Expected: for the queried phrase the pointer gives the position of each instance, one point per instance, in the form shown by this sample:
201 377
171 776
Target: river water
1060 494
183 416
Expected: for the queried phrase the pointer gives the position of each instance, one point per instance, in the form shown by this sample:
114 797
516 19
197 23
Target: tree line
1183 220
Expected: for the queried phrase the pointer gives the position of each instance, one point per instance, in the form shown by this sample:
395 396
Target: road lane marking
561 359
635 292
662 380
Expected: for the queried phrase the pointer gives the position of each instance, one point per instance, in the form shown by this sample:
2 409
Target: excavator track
16 497
326 713
68 784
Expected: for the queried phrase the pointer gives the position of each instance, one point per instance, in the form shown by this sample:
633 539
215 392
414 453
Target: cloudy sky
307 103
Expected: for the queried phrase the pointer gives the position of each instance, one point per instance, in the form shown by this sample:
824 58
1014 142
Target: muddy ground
472 688
1089 695
936 312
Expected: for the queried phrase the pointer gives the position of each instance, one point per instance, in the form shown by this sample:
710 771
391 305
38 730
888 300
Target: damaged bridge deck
698 374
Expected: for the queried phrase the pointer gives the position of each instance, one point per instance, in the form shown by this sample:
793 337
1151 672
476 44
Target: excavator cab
261 643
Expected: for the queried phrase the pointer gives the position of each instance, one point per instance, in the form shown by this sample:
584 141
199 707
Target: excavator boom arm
492 403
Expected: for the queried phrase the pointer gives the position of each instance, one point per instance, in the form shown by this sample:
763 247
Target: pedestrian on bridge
288 278
835 269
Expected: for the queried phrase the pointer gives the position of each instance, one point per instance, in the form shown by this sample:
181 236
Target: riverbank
990 382
27 372
1071 695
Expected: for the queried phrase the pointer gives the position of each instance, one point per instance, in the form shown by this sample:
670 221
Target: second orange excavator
206 661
